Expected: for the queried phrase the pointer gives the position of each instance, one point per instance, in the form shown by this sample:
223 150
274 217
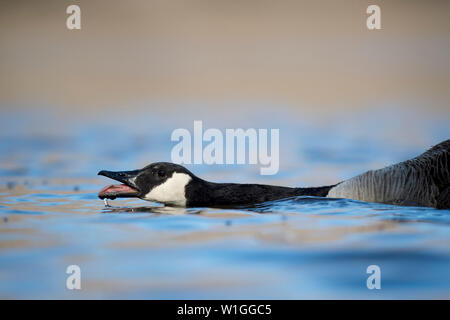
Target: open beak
128 188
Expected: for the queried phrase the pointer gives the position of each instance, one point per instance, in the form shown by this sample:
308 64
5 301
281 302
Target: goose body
421 181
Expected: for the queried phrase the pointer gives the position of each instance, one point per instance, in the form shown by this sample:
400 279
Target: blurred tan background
314 56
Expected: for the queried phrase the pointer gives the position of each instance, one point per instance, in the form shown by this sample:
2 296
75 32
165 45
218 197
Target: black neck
204 193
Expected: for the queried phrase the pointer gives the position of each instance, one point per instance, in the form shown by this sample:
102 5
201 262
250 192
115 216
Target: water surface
304 247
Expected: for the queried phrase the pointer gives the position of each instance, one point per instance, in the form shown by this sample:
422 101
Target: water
305 247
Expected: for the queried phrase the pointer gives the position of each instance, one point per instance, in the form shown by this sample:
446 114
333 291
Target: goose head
162 182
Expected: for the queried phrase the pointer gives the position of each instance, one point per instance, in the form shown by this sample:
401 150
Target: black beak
127 189
126 177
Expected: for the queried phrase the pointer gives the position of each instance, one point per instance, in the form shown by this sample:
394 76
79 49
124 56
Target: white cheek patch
172 191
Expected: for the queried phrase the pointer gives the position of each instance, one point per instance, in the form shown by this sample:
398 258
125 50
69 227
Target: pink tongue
115 188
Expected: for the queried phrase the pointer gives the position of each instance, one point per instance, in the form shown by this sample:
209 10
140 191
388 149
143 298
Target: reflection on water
302 247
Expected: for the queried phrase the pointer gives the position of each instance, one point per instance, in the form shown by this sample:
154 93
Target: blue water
305 247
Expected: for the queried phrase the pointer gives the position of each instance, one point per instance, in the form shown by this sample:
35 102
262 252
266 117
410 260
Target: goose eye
161 173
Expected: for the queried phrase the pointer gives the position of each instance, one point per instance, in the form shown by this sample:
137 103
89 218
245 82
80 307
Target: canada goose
421 181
